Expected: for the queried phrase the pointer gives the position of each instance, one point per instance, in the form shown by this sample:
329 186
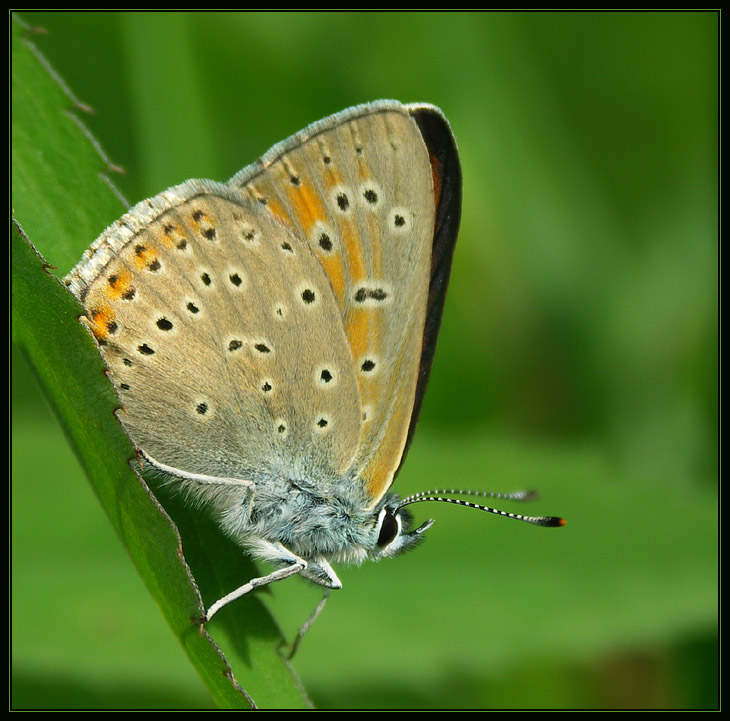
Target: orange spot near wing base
143 256
173 235
117 284
101 319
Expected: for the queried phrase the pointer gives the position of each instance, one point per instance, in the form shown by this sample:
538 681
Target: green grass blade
62 200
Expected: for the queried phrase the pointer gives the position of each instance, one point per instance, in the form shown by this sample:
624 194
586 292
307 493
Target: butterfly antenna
515 496
445 497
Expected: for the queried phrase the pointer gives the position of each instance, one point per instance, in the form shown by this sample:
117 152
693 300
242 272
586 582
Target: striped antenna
445 497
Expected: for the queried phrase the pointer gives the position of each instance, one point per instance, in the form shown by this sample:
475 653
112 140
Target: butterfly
271 338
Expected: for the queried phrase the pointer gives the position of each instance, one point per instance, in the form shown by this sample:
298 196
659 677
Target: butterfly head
393 534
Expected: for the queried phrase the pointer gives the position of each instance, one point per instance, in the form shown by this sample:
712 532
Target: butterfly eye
388 529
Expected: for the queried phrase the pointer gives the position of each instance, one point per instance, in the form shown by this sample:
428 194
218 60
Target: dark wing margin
446 171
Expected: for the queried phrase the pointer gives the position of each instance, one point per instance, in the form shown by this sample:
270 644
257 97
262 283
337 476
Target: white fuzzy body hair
337 527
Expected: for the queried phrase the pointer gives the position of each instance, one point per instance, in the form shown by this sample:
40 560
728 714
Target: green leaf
62 200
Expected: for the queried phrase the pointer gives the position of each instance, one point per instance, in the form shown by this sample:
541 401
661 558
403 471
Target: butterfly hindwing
222 338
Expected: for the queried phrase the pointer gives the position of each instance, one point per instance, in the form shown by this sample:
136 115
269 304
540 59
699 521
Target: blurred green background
578 356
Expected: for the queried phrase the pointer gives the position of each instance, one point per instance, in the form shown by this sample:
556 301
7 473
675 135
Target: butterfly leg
308 624
273 552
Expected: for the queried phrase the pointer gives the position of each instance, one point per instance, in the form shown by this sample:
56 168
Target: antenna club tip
559 522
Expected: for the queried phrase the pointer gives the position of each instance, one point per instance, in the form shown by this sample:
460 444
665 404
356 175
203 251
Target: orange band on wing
357 328
277 210
380 470
307 206
336 273
353 251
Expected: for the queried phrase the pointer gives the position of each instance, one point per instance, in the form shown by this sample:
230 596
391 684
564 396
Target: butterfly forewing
360 190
